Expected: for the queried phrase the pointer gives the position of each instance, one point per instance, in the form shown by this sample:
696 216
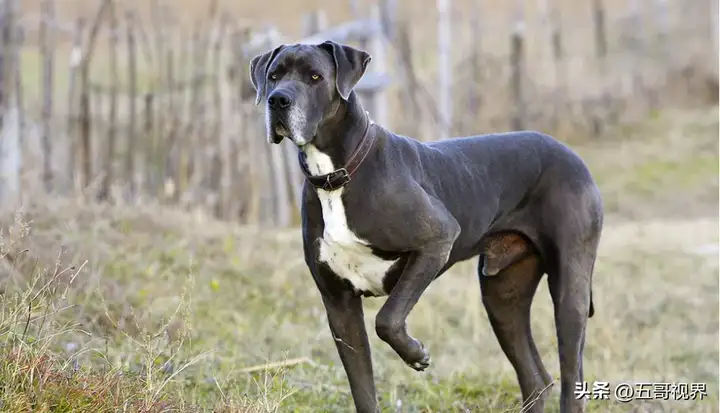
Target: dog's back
495 170
489 181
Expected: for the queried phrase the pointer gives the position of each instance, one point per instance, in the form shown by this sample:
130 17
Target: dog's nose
279 99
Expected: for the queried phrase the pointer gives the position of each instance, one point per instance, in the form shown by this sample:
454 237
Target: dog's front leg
345 316
440 232
390 322
347 325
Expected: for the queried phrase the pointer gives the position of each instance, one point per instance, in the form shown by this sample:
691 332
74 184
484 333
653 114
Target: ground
190 309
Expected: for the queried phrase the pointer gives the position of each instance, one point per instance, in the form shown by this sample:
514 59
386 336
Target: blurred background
151 100
134 171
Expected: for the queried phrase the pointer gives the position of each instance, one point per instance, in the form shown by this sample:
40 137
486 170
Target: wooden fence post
366 96
152 173
547 19
131 154
314 22
444 68
85 150
173 166
109 162
355 8
198 160
409 92
159 37
186 132
637 49
73 114
47 50
664 22
250 141
558 53
601 54
19 37
475 99
245 136
10 148
388 12
517 67
661 46
18 84
715 17
221 163
377 47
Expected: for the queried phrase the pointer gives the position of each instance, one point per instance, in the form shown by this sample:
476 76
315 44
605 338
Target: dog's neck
342 134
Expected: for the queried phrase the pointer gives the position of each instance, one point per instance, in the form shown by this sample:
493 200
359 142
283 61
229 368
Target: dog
384 215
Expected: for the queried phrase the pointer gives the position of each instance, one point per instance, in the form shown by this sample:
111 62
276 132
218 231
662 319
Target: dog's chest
349 256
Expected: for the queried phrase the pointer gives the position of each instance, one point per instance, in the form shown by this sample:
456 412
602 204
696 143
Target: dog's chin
308 136
299 142
280 132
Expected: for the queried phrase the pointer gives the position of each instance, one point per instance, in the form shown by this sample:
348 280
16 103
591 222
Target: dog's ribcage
349 256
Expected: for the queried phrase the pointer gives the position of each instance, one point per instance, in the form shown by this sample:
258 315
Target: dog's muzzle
279 107
277 126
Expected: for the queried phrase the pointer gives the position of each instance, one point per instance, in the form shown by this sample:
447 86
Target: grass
149 309
666 167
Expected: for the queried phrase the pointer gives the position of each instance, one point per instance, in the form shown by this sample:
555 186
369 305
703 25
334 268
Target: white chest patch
349 256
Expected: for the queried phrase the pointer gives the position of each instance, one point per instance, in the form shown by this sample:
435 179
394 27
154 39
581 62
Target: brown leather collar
340 177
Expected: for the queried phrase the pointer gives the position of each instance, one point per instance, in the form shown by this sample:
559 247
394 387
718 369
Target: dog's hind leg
507 297
575 234
570 291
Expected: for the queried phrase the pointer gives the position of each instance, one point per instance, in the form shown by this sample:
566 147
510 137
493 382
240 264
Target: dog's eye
315 77
273 76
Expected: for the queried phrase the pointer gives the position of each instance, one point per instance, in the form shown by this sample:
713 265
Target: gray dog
384 215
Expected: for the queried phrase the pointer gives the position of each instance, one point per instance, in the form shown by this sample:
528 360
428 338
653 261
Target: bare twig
277 365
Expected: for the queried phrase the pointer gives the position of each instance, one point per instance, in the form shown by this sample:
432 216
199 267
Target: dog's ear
258 71
350 65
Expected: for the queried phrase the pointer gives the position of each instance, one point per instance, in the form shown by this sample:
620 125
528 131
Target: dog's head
303 86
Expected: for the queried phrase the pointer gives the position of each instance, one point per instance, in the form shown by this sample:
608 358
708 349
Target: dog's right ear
258 71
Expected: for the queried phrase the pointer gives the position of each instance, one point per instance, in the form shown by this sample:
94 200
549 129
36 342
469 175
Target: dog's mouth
277 132
280 131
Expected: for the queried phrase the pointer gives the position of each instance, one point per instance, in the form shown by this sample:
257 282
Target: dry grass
171 310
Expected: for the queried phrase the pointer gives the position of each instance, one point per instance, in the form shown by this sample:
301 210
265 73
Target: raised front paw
422 362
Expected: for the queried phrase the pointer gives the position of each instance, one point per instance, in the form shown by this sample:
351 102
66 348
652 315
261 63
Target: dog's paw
423 363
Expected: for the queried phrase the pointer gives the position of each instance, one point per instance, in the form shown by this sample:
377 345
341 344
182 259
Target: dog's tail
592 307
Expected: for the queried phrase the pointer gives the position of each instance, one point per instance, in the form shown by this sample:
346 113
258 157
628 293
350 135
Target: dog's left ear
350 65
258 71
